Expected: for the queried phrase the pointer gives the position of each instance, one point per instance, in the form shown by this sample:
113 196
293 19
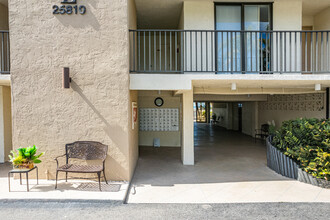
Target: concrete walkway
230 168
73 190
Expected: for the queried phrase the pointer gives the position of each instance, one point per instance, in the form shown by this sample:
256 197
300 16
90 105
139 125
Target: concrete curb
287 167
61 201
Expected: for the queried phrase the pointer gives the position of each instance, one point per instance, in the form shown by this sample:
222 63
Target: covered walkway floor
230 167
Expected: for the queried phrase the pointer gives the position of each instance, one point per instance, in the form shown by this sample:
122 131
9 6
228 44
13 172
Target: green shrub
306 141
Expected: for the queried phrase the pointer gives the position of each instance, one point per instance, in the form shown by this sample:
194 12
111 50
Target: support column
2 129
187 149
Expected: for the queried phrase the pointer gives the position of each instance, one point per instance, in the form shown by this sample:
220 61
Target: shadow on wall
115 133
81 21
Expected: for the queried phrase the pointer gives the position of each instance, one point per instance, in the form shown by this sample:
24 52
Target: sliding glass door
242 47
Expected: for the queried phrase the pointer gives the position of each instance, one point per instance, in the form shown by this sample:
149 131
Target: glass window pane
256 18
228 17
229 43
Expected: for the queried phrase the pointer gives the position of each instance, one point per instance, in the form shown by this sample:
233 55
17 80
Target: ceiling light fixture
233 86
317 87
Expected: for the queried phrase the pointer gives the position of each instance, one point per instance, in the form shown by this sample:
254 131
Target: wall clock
159 102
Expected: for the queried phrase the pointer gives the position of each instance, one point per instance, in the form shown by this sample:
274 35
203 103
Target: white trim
187 153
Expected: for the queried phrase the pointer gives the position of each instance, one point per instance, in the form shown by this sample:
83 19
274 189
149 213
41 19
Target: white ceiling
158 14
165 14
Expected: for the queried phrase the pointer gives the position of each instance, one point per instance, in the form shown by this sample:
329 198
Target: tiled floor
230 167
72 190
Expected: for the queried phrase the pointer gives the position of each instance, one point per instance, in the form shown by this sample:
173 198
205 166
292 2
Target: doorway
240 106
200 112
243 51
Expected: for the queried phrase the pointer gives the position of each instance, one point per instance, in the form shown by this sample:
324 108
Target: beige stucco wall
322 20
248 118
198 15
2 127
293 107
167 138
97 107
181 21
3 17
307 20
7 120
287 15
133 144
5 123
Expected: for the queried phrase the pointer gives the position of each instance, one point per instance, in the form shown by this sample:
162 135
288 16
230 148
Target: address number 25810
69 9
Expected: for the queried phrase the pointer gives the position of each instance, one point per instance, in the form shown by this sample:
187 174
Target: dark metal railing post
155 51
134 56
306 53
182 53
2 52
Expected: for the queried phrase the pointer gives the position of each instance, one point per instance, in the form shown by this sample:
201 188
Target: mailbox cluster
159 119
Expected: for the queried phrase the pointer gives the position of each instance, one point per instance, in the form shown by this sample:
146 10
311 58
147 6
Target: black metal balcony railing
4 52
263 52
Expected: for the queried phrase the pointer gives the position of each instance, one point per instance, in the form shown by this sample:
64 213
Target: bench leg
56 179
66 176
105 177
37 176
9 181
99 176
27 181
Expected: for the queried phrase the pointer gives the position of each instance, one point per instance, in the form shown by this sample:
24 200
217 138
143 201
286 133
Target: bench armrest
56 159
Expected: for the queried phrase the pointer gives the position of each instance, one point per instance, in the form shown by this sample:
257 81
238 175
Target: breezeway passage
229 167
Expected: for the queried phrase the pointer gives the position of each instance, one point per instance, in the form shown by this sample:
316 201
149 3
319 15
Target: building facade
247 62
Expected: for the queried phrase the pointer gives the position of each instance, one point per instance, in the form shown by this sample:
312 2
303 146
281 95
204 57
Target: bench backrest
86 150
265 128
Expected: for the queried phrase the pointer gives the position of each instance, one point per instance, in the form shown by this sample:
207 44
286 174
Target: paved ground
74 189
230 168
115 210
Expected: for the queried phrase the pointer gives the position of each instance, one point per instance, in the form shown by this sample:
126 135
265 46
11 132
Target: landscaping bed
300 149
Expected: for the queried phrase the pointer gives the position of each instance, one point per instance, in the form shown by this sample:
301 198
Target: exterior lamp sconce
233 87
66 78
317 87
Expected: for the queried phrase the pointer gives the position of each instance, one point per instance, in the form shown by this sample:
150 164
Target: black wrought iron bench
83 150
263 132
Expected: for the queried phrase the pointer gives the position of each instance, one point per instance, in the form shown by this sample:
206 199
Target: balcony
229 52
4 52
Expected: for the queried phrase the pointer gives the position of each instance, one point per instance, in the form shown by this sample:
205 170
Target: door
243 52
240 106
200 112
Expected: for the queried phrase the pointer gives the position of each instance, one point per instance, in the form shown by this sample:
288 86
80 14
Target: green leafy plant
306 141
26 155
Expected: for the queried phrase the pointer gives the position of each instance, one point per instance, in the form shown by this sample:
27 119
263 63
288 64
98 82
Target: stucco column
188 128
2 136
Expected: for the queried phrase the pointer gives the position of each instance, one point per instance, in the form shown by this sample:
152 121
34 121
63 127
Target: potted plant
25 158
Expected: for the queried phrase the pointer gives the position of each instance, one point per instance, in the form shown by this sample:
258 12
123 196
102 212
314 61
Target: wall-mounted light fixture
66 78
233 86
317 87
